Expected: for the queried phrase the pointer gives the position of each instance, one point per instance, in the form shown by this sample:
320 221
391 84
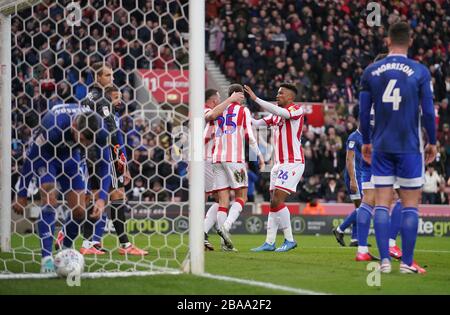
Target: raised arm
259 122
219 109
253 143
274 109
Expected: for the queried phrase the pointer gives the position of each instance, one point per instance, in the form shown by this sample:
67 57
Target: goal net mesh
54 45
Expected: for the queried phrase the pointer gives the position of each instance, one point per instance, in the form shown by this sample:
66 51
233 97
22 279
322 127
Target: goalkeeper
54 157
103 98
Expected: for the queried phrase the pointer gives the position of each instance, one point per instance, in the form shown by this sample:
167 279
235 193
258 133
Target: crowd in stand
51 62
321 46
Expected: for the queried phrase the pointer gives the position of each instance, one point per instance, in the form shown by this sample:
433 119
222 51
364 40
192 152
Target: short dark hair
99 66
88 124
209 93
235 87
109 90
399 33
290 87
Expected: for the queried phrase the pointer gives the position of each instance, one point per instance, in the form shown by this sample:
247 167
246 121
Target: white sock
339 230
363 249
221 218
392 242
43 260
86 244
233 214
125 245
272 228
285 223
211 217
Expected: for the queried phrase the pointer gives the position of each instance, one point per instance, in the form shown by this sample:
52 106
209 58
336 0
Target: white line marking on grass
432 251
354 248
266 285
89 275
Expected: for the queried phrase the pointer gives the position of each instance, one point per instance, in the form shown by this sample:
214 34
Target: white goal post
195 258
5 133
197 123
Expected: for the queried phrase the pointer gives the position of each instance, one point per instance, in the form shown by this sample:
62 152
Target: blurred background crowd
320 46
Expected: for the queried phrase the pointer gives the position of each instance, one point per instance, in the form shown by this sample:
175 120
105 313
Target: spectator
442 196
444 113
430 187
313 208
330 189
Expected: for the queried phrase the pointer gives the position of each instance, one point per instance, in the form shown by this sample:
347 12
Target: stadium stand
260 43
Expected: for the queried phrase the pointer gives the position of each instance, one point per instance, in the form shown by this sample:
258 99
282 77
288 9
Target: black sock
88 225
118 208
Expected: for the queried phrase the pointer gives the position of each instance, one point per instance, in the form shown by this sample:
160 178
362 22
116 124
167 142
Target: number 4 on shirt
392 95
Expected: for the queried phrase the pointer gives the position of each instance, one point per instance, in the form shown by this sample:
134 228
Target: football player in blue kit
352 178
399 89
55 157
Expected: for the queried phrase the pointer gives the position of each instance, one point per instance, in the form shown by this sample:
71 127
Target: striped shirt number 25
228 122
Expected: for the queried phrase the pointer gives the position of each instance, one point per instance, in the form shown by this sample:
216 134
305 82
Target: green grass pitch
318 264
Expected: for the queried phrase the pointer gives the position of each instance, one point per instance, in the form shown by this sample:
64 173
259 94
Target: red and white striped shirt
230 131
287 134
208 136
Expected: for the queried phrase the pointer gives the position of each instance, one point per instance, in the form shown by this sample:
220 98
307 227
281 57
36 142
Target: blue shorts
407 169
358 194
65 173
366 177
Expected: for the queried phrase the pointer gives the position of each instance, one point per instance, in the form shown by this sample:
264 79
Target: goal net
53 49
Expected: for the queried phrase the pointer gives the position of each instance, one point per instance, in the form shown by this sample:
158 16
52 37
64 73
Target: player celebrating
213 110
54 157
230 130
396 85
286 121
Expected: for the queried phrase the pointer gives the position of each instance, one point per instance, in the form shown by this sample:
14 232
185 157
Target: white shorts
371 184
209 177
230 176
286 176
368 185
356 196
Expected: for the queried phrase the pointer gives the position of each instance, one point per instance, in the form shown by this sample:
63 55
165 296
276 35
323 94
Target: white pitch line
266 285
89 275
432 251
354 248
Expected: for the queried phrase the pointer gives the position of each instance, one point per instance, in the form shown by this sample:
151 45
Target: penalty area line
266 285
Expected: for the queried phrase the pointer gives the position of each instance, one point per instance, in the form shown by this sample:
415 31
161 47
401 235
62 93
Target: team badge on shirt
351 144
105 110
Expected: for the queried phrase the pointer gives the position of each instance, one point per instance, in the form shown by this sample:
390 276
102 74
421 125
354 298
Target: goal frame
195 259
